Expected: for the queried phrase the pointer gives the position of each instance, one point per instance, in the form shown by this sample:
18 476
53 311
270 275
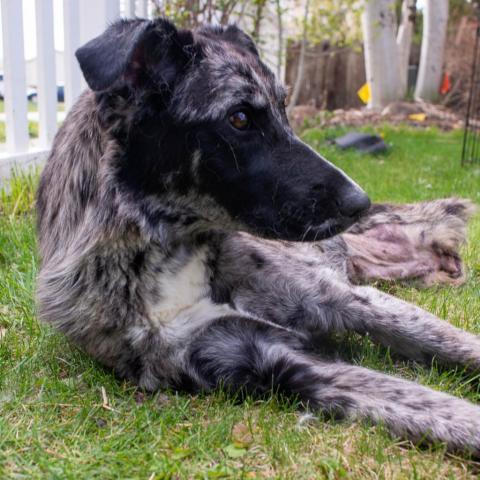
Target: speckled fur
419 242
162 287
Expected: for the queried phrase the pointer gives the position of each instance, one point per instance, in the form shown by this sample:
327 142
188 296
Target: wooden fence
331 78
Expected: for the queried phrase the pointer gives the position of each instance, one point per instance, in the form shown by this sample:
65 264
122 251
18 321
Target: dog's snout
353 202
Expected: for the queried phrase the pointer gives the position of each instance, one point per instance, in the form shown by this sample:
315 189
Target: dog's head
206 115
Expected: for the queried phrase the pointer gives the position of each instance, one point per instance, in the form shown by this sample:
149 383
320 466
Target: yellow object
418 117
365 93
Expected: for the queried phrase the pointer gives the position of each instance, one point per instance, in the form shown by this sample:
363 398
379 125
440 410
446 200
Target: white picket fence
82 20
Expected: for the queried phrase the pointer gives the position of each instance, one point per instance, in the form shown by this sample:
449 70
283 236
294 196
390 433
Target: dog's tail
419 241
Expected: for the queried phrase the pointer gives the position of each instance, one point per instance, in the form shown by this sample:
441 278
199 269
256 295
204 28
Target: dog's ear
233 34
135 52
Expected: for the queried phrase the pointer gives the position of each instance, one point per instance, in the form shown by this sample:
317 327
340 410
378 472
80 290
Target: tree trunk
404 41
257 19
381 52
279 12
435 18
301 62
241 15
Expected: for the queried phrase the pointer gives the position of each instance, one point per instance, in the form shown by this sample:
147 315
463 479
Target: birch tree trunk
301 62
381 52
404 41
435 18
279 12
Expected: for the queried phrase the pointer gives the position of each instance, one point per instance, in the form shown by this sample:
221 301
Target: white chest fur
185 304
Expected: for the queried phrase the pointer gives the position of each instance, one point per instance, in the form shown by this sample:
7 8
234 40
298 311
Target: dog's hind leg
242 354
418 242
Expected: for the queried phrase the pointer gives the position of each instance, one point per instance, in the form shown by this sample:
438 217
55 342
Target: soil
416 114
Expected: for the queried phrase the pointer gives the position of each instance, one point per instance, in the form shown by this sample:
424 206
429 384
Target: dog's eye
239 120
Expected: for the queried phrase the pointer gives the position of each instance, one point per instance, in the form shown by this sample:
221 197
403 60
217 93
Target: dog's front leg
411 330
330 305
285 285
419 241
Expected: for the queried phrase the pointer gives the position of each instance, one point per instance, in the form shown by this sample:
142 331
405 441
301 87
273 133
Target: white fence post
46 78
14 70
112 11
96 16
129 8
82 20
142 8
71 22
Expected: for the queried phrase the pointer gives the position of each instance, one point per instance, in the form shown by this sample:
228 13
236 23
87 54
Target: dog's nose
353 203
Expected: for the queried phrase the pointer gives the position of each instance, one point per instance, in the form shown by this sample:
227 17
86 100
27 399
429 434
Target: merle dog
180 220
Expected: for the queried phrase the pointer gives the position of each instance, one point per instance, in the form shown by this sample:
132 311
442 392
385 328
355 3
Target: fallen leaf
234 452
220 472
180 453
241 435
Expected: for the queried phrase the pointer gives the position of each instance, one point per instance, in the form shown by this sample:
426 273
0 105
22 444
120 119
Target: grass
32 106
32 126
32 131
63 416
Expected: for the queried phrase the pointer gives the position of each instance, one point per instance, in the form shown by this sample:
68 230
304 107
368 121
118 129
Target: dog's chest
185 302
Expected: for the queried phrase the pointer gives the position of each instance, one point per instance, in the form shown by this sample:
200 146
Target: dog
189 240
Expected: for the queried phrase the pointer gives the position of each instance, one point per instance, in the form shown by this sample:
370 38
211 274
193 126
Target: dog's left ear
136 52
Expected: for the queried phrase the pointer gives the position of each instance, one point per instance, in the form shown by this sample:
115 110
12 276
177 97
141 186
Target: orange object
446 85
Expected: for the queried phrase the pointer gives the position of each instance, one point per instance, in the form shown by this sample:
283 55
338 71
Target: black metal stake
471 137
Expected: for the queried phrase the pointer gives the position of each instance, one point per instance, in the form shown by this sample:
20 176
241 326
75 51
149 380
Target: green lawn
55 422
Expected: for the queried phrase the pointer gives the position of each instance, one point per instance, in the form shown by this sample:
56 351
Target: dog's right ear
134 52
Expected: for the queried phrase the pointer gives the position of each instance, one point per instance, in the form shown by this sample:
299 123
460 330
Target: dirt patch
416 114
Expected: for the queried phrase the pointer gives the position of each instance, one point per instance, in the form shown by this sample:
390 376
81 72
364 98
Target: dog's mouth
309 233
329 228
308 223
296 224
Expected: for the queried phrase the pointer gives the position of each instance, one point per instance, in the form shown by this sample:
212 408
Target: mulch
396 113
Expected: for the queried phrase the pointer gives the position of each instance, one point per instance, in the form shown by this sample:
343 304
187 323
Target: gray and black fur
168 232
